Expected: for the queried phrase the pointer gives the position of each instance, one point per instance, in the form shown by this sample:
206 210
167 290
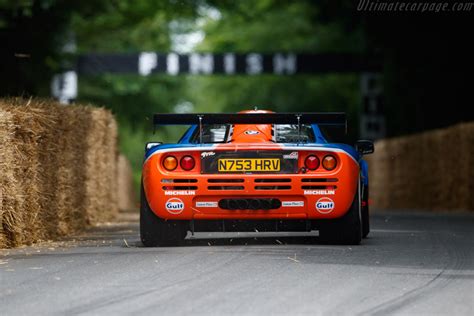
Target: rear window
212 134
282 133
287 133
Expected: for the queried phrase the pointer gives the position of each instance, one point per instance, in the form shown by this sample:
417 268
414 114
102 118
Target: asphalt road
410 265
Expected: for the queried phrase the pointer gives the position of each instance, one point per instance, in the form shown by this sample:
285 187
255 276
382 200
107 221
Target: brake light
187 163
170 163
329 162
312 162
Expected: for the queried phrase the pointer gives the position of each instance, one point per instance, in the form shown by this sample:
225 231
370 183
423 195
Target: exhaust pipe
224 204
275 203
265 204
232 204
254 204
243 204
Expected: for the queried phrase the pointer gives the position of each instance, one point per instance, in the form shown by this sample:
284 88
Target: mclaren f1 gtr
254 171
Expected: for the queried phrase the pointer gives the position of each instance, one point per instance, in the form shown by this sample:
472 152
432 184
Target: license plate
249 164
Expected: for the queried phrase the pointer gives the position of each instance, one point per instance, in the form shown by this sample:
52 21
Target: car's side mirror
150 145
364 147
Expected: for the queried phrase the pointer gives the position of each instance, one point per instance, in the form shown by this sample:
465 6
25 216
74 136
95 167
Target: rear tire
365 213
155 231
346 230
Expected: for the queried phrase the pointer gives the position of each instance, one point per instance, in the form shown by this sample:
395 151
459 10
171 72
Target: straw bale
100 166
428 171
125 190
58 166
32 123
71 210
8 189
96 167
111 160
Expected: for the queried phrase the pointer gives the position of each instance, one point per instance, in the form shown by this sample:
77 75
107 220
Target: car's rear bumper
302 196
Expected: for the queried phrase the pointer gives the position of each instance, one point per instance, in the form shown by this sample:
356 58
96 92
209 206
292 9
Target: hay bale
428 171
58 167
98 165
32 122
126 193
468 131
8 188
110 150
71 208
24 166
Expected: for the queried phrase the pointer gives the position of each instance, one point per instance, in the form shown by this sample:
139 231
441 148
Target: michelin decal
180 192
319 192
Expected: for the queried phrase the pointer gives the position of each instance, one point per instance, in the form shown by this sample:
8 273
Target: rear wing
328 118
333 119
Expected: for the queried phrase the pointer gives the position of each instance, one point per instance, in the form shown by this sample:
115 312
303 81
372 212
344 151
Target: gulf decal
174 206
325 205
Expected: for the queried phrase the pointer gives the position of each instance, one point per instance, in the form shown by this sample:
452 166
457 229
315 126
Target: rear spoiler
334 119
328 118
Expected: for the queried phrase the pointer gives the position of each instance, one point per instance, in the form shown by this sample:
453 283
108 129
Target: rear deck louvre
273 187
179 180
225 180
272 180
225 187
175 187
319 180
318 187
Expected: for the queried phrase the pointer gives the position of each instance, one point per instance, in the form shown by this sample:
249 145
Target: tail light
170 163
312 162
187 163
329 162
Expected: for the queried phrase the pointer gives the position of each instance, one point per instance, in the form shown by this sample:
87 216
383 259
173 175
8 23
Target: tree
276 26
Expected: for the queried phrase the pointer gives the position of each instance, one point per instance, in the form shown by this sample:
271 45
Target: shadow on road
408 241
245 241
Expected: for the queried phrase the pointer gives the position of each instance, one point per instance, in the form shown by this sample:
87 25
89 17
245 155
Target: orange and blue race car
254 171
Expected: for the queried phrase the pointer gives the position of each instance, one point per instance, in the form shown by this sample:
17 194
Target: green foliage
280 94
133 98
277 26
40 28
243 26
129 25
132 143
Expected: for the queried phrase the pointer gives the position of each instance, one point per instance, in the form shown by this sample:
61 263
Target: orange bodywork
186 195
300 193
